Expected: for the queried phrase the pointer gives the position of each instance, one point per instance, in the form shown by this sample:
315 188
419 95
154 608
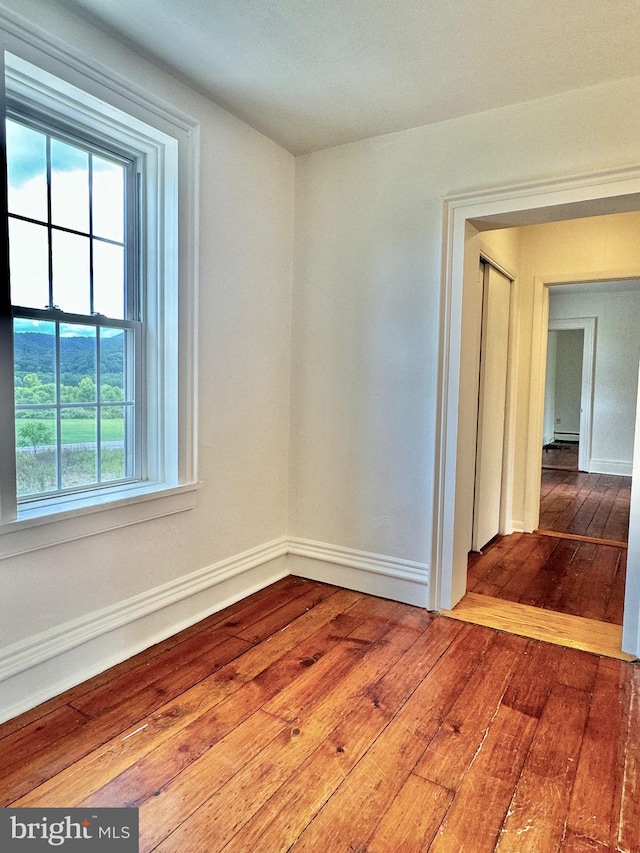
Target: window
76 325
91 319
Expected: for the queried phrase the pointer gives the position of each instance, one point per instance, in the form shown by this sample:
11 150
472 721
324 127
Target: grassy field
79 431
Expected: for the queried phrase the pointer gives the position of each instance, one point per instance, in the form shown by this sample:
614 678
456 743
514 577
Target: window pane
77 363
108 199
79 442
113 461
71 289
112 364
27 171
108 279
36 453
34 346
29 259
69 186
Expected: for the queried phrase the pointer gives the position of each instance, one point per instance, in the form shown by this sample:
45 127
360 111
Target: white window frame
167 144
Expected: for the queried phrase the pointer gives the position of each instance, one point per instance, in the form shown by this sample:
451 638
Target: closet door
491 406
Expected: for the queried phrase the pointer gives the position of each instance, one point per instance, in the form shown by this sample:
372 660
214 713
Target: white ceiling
315 73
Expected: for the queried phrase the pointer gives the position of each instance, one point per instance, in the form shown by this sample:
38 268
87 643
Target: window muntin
74 293
66 92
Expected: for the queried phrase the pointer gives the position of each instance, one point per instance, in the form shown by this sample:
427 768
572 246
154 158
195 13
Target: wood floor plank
577 669
450 753
499 549
580 504
293 584
545 582
529 688
350 817
277 825
139 729
174 804
201 714
311 685
615 606
17 747
592 802
594 601
145 783
269 623
477 812
581 844
513 572
285 815
598 637
412 732
597 540
164 673
628 832
540 550
535 818
214 822
413 818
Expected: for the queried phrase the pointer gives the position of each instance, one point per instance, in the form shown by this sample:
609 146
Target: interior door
492 396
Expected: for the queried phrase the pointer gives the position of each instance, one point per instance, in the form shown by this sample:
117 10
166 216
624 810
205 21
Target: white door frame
464 217
588 326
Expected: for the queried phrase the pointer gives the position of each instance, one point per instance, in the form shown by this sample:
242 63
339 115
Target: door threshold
575 632
616 543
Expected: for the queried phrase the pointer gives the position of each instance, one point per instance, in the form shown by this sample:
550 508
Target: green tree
87 390
35 435
31 380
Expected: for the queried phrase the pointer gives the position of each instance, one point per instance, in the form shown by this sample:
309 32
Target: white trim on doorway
588 326
464 218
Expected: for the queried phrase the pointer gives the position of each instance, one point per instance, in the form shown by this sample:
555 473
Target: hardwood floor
595 505
310 718
564 575
574 565
576 632
561 454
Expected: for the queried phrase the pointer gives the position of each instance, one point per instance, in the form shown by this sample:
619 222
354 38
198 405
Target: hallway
565 582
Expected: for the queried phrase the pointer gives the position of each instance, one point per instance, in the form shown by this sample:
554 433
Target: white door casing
492 398
588 326
567 198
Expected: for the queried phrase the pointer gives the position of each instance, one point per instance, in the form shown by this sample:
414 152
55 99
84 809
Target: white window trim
171 154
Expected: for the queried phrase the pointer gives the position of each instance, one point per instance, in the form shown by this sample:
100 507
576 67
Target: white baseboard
607 466
374 574
44 665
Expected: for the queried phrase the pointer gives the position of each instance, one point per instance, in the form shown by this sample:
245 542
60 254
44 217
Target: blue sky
26 153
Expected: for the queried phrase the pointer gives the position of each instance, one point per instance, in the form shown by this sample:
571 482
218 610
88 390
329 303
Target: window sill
78 518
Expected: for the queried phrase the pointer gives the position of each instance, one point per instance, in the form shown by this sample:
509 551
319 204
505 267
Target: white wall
616 371
367 305
569 346
246 193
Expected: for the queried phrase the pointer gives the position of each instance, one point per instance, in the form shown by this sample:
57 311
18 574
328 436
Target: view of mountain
34 353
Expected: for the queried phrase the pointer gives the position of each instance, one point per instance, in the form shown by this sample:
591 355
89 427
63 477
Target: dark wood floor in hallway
595 505
312 718
564 575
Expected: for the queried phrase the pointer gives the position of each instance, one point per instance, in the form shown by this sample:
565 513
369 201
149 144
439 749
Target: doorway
567 566
466 218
